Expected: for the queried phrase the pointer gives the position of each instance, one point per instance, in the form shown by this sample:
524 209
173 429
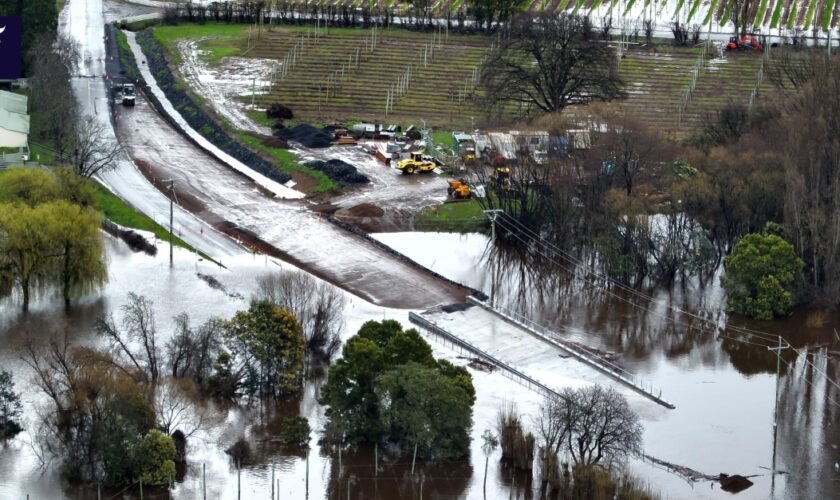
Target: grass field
317 92
119 212
462 216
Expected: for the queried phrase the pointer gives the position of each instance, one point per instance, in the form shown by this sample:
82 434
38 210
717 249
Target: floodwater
723 391
179 289
723 384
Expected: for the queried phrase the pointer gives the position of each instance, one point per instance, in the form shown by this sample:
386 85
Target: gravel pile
339 171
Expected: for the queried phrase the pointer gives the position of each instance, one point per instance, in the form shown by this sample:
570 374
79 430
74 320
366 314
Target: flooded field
723 384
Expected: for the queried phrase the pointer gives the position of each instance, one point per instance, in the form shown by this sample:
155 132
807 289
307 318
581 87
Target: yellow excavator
459 190
416 164
501 177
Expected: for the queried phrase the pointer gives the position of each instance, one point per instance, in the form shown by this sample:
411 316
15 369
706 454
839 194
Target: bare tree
191 352
630 147
174 407
138 325
318 306
812 174
93 151
52 62
591 424
549 61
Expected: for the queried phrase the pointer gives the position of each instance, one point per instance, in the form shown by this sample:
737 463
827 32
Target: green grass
228 39
41 154
459 217
119 212
288 162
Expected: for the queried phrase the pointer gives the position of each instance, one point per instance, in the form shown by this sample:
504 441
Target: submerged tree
763 276
387 387
267 346
592 425
318 306
549 62
9 406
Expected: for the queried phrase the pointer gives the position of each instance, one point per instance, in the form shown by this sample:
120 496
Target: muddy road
232 203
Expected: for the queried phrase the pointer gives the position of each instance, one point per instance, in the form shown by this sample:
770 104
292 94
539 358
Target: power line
636 305
574 261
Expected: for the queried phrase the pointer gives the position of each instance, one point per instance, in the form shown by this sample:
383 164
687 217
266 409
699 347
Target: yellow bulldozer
459 190
416 164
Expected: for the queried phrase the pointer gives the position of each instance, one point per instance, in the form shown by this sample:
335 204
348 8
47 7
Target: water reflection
358 479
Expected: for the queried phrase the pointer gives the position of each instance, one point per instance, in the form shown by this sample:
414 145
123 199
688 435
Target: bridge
516 345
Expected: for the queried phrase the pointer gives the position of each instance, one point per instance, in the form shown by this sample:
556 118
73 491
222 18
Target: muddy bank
194 115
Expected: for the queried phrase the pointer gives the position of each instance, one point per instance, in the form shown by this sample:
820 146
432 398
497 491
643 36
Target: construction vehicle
459 190
123 93
501 177
749 43
416 163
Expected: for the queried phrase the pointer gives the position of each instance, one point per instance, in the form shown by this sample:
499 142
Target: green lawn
119 212
288 162
459 217
229 39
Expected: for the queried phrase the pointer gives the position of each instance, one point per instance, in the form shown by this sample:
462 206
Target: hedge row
194 115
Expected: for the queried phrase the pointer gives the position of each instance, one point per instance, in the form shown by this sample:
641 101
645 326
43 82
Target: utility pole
493 214
171 212
778 351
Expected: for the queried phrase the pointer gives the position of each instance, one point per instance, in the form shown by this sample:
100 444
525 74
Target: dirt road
232 203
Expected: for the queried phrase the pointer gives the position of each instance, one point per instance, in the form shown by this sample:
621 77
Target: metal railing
514 373
585 356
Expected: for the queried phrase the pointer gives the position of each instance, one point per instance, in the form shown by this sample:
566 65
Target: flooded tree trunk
24 284
414 458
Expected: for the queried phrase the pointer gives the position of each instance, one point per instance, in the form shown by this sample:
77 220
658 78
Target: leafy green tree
268 342
360 397
426 409
31 186
9 406
154 458
763 275
80 265
26 248
295 431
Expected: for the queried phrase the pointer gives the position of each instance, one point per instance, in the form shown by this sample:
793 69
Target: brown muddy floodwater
723 388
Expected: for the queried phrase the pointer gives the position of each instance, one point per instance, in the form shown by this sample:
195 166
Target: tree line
478 16
647 208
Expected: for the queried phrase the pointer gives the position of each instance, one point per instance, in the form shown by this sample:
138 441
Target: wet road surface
223 198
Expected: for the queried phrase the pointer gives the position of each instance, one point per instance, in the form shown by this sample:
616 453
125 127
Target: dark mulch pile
365 210
137 242
307 135
339 171
734 483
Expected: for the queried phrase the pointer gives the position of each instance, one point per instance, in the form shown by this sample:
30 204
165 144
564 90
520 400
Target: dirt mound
365 210
307 135
273 142
339 171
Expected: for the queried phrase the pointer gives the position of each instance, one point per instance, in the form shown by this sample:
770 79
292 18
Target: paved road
83 20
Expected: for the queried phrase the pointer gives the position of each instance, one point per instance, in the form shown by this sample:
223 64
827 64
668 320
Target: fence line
584 356
514 373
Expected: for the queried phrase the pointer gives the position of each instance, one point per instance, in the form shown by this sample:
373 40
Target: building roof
15 103
15 122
